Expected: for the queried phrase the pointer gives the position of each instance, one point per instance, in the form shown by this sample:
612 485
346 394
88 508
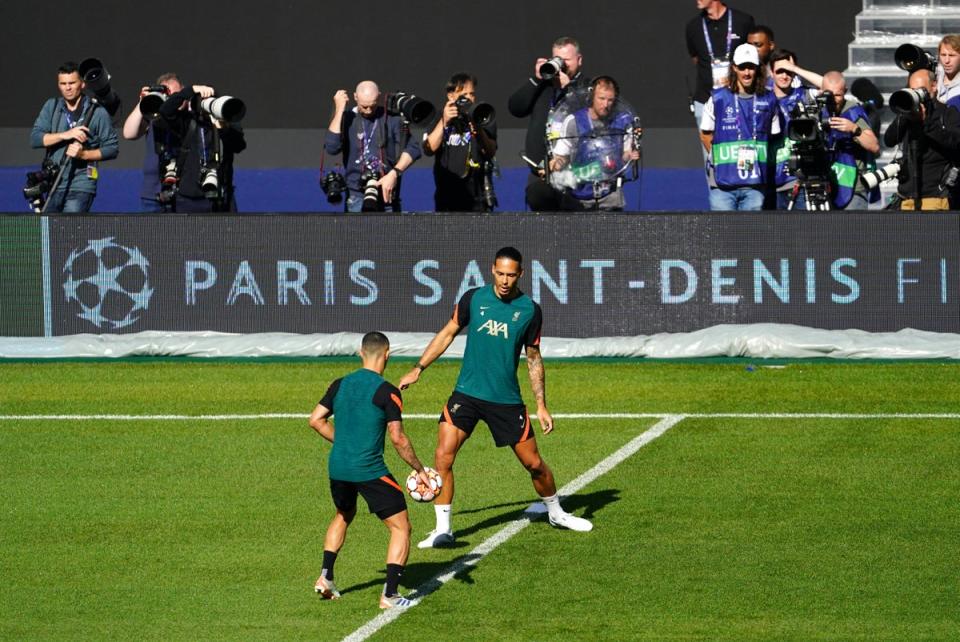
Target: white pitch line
473 557
593 415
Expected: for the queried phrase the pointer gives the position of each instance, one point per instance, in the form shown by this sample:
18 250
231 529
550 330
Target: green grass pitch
737 528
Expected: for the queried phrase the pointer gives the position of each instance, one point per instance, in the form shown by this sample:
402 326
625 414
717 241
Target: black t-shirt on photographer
458 169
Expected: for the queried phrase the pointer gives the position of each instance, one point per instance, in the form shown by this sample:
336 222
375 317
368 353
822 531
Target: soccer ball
421 492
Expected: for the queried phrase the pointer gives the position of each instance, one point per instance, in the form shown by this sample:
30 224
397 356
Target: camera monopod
65 160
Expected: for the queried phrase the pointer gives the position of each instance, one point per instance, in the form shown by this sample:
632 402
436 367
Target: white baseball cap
746 53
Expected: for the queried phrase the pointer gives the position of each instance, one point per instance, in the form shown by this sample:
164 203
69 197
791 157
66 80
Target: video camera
811 158
410 107
810 121
480 114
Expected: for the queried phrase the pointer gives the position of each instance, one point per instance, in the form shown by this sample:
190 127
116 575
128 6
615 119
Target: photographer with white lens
929 133
377 148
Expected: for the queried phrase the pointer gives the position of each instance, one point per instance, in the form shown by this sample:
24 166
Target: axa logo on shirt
495 328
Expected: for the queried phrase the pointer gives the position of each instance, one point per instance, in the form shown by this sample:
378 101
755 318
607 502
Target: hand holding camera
451 111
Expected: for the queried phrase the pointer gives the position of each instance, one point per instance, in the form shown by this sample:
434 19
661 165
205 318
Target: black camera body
334 185
152 100
552 68
480 114
39 183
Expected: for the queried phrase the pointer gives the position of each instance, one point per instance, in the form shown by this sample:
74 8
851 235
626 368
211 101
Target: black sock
329 557
394 571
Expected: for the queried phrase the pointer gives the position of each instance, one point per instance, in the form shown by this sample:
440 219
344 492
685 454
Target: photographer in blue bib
735 128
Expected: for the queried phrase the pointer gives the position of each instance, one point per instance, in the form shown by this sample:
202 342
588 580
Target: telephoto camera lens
552 68
210 183
371 192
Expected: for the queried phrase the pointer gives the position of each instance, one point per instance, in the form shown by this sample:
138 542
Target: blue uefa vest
845 159
594 154
740 122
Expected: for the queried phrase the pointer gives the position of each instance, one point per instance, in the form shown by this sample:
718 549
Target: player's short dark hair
765 30
68 67
509 252
782 54
374 343
459 80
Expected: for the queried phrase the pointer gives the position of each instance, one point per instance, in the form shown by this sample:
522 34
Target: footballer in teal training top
499 321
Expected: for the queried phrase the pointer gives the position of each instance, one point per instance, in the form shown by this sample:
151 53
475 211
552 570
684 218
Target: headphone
606 80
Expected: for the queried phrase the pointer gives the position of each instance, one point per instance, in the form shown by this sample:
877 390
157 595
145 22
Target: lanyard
706 35
71 122
365 138
736 102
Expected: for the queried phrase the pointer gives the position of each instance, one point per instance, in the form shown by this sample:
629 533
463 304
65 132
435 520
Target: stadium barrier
610 275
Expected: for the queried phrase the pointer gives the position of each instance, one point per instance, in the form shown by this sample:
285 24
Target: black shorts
384 496
509 423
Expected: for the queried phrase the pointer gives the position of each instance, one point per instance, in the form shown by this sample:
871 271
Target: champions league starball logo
109 282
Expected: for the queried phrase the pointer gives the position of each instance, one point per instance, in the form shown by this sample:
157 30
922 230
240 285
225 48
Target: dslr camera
334 186
39 183
907 102
152 100
552 68
480 114
210 180
372 201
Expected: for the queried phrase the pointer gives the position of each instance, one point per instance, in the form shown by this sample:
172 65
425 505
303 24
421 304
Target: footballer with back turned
366 407
500 320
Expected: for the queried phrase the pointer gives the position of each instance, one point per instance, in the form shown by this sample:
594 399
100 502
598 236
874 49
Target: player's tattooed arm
538 384
405 448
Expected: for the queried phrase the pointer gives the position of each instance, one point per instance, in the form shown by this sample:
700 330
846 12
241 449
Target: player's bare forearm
403 445
537 377
437 346
538 384
318 421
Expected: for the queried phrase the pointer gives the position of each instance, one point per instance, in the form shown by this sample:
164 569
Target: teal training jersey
363 403
496 332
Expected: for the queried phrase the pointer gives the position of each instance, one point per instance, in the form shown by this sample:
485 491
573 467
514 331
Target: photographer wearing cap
929 133
597 140
195 145
463 144
552 79
377 148
738 121
74 126
137 126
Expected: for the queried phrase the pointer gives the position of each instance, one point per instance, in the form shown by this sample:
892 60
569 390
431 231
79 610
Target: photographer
463 150
535 99
195 150
377 148
78 128
137 126
929 132
594 147
738 121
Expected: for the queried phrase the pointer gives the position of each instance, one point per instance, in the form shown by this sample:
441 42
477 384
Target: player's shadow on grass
423 575
590 503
